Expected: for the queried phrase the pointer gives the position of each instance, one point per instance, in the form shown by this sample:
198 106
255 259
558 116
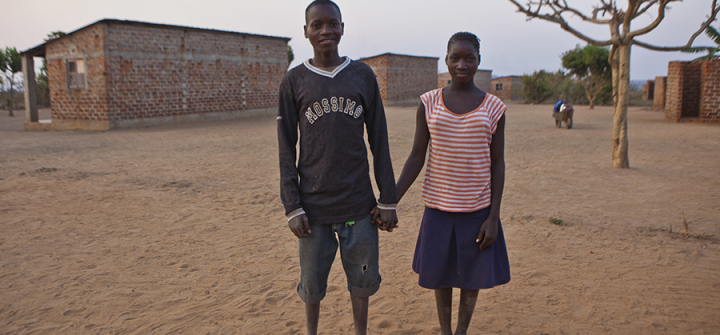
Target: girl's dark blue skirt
446 254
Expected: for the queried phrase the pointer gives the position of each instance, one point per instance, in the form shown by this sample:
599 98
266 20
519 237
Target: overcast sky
510 45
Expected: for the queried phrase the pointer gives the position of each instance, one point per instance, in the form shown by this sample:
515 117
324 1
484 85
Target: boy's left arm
376 125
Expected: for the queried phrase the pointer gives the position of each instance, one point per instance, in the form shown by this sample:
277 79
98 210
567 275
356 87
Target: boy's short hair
465 36
321 2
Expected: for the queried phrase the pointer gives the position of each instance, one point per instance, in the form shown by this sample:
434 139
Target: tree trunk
10 102
588 86
622 80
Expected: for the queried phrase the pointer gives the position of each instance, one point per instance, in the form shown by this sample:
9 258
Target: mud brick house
118 74
654 90
649 90
483 80
693 91
659 86
402 78
507 88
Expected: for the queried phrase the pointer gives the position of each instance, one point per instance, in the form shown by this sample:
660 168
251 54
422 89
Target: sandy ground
179 229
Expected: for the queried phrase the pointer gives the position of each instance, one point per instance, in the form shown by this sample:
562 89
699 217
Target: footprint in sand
580 311
387 325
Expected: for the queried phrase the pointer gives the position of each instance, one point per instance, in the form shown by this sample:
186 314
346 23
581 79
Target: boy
332 100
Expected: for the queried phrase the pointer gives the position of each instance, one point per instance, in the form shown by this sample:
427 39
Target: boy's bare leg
468 298
312 316
443 300
360 314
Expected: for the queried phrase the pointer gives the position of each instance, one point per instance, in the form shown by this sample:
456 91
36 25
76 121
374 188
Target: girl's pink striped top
457 177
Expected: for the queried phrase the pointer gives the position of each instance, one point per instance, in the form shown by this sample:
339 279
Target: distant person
326 190
558 105
461 242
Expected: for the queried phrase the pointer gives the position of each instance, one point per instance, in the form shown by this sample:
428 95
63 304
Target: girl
461 242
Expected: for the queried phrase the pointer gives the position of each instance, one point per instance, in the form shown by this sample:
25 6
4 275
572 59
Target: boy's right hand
300 226
385 219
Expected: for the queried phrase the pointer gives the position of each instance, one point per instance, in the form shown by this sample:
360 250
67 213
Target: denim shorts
358 251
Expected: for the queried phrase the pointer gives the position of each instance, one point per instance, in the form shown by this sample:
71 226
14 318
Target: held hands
386 219
300 226
488 233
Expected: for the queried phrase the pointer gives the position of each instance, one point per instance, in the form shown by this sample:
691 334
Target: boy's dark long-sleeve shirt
330 180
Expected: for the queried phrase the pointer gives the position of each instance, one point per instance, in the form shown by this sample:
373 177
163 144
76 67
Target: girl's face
462 61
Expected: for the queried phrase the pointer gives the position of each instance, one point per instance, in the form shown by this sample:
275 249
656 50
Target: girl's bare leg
468 298
312 316
443 300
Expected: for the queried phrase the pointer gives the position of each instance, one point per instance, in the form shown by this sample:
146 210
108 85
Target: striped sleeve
496 108
430 99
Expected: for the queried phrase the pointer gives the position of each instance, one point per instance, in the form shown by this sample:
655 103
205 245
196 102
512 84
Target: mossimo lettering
335 104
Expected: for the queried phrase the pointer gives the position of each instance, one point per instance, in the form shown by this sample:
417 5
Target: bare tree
621 40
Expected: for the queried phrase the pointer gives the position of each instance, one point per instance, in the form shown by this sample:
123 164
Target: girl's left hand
488 233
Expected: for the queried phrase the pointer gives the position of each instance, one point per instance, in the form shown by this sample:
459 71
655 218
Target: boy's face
324 28
462 61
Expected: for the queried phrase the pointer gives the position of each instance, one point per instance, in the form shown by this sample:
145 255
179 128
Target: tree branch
560 8
661 15
628 17
713 14
657 48
557 18
645 9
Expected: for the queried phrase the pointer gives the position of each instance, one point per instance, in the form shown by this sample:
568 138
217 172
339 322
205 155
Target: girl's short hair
465 36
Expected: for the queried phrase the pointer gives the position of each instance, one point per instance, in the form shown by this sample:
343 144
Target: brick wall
402 79
444 79
649 90
659 94
379 65
710 104
692 89
86 105
483 80
157 71
674 91
140 73
683 90
507 88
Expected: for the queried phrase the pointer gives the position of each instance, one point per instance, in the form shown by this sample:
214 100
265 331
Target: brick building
117 74
507 88
693 91
483 80
649 90
402 78
659 88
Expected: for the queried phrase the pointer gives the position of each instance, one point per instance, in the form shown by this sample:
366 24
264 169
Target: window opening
76 73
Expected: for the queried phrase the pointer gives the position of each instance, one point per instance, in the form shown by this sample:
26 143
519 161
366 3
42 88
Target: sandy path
179 229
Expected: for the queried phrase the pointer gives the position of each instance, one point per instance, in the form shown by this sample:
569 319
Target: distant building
483 80
402 78
649 90
507 88
659 87
693 91
117 74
